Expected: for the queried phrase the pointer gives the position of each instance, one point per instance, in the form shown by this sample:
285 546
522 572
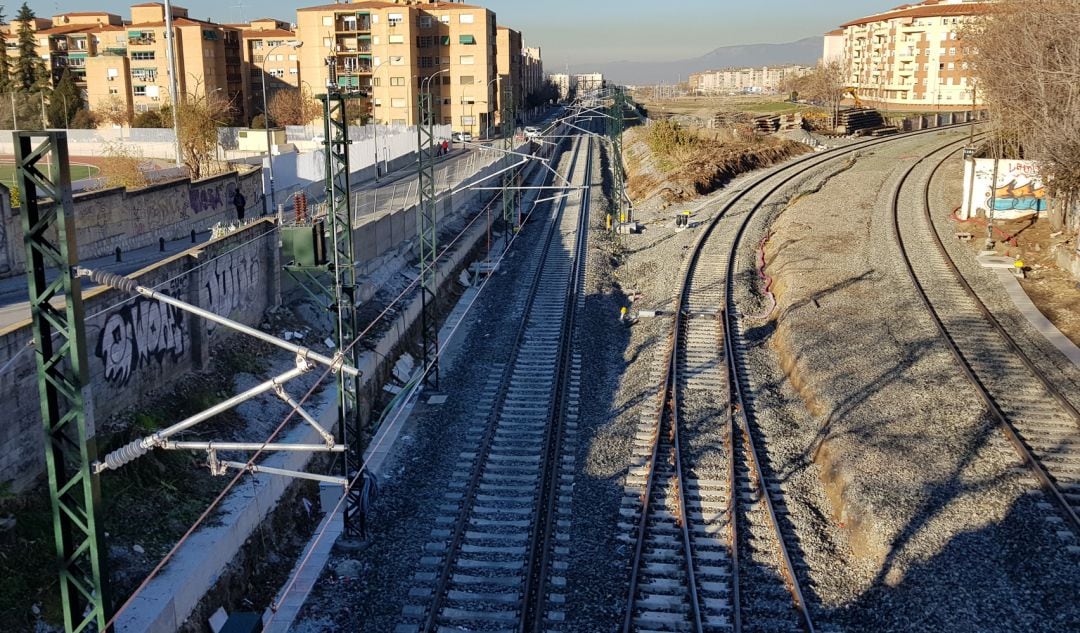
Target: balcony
360 23
142 41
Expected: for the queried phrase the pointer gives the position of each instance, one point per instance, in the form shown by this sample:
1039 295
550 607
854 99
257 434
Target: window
393 19
445 40
467 80
375 40
467 60
466 18
114 91
327 42
951 66
444 61
294 71
468 120
328 20
426 62
425 41
397 81
397 39
257 45
397 60
466 39
144 74
445 19
426 22
277 72
468 100
292 58
397 103
142 55
138 91
273 43
398 122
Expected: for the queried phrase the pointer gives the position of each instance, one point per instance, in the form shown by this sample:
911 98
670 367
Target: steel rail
786 174
443 581
540 548
1002 420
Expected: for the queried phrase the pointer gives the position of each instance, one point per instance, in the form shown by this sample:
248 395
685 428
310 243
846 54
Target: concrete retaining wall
116 217
136 346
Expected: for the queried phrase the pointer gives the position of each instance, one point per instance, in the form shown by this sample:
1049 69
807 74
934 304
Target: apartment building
532 70
266 48
135 69
766 79
508 53
910 55
582 82
393 50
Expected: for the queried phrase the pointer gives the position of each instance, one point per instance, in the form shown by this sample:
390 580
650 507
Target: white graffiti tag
137 334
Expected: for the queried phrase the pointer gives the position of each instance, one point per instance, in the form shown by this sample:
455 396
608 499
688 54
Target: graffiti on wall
137 334
5 265
209 198
229 284
1017 191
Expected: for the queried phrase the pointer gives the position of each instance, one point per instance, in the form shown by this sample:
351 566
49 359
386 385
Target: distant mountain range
805 51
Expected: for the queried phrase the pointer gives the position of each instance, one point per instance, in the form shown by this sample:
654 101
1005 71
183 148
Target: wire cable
251 461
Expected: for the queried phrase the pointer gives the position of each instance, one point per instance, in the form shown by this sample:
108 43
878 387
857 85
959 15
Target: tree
150 118
199 115
114 111
65 101
1026 59
825 83
292 106
83 120
30 71
258 122
5 63
121 166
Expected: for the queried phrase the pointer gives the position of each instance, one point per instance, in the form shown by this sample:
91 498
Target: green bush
16 200
150 118
666 137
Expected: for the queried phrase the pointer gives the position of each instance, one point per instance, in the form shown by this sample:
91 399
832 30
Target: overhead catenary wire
289 416
410 391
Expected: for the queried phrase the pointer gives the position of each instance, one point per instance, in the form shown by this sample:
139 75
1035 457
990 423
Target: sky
579 32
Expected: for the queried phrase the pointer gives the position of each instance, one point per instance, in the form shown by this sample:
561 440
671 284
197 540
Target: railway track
1038 419
496 555
711 548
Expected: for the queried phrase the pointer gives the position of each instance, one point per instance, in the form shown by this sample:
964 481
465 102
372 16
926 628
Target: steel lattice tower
343 267
615 130
66 411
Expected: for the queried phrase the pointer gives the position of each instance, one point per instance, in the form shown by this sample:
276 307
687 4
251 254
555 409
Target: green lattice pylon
343 295
63 384
615 131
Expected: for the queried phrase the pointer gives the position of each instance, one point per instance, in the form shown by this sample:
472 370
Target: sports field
78 172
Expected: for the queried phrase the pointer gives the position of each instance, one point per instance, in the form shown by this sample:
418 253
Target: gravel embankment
928 523
365 590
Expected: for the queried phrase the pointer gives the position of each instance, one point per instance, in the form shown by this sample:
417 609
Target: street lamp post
375 122
266 118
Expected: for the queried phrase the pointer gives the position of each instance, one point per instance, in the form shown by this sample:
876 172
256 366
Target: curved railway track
502 531
1039 421
703 510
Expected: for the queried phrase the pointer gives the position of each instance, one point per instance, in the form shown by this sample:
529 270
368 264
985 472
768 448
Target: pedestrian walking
369 492
445 146
239 201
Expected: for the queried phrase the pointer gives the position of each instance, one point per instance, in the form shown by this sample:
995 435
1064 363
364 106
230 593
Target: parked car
532 132
461 137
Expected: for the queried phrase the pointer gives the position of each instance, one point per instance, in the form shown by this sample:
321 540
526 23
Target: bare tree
113 111
199 114
825 83
1026 57
121 166
293 106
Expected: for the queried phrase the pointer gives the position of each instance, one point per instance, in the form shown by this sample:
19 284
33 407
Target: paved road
15 308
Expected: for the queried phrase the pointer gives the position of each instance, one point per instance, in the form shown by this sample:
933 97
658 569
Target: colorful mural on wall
1017 191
